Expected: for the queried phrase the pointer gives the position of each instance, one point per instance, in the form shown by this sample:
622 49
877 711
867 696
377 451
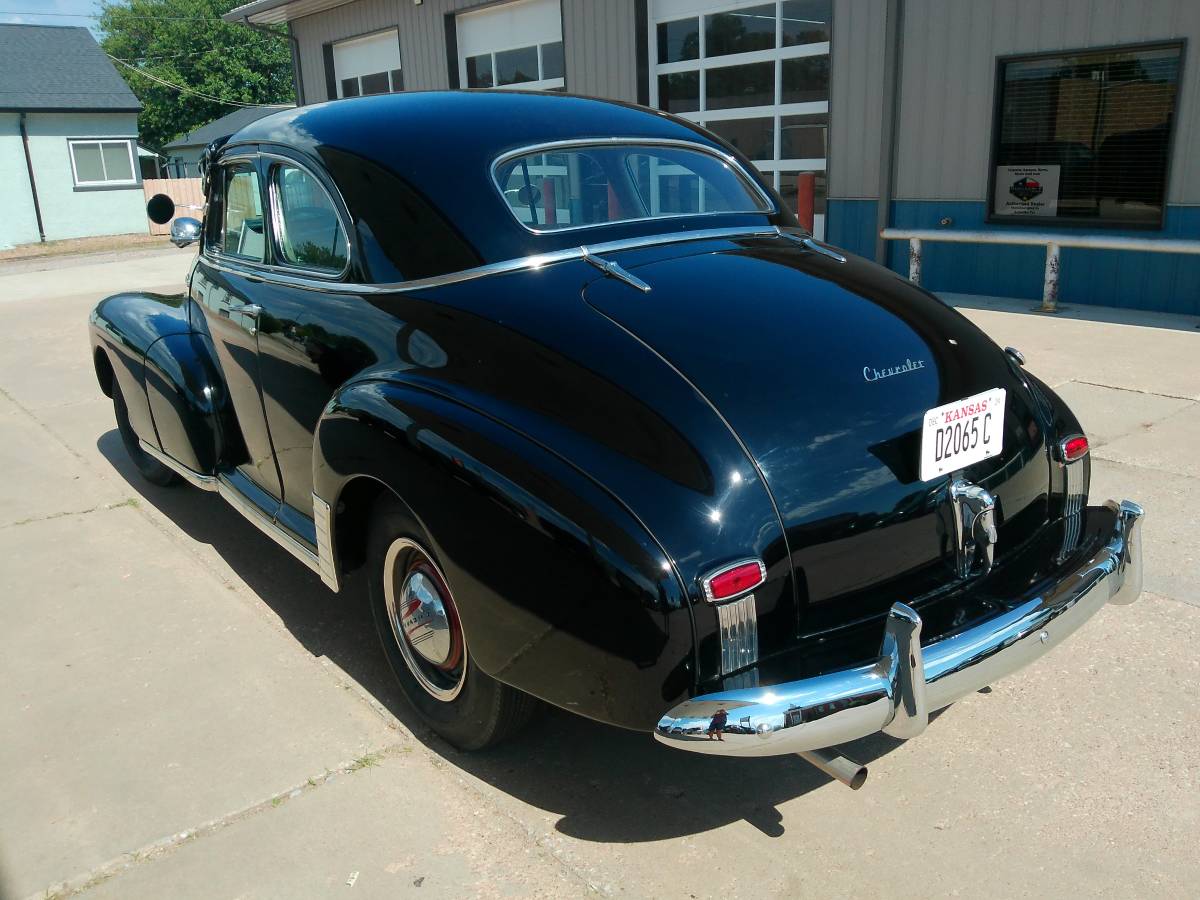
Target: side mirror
185 231
528 195
160 208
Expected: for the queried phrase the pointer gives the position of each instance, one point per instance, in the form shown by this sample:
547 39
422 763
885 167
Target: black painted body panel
581 453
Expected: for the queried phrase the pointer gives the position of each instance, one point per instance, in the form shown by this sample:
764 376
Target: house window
516 45
97 163
754 73
368 65
1083 137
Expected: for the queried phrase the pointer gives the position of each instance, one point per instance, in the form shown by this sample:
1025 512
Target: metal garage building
1004 117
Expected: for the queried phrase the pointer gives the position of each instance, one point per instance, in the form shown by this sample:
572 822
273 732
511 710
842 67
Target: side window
241 213
308 230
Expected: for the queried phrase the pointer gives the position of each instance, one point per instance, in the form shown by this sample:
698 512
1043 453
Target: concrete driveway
187 712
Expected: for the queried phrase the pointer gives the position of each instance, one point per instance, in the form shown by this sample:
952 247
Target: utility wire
25 12
187 90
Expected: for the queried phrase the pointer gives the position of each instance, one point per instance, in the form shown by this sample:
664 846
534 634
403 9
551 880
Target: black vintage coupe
608 429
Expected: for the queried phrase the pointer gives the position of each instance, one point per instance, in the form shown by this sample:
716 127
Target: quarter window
102 162
308 230
242 219
1083 137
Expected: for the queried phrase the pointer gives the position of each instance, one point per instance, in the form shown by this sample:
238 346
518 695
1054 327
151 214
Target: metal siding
856 97
599 41
948 82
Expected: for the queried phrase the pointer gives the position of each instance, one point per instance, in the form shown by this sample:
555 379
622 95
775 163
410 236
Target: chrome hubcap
424 620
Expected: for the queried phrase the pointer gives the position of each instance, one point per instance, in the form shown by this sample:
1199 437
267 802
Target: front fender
123 327
563 594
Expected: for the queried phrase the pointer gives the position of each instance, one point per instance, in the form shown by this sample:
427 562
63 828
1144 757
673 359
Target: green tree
185 43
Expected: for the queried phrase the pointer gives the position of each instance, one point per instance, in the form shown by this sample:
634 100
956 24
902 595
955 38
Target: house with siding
68 139
1001 118
183 154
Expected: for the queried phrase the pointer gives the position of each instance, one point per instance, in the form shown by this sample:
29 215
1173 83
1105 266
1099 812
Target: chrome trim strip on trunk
192 477
535 261
896 693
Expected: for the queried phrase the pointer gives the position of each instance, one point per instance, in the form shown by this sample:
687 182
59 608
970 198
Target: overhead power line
57 15
187 90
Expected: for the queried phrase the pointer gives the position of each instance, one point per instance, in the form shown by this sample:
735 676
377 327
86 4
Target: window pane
517 66
243 214
733 86
397 80
1085 135
679 40
88 166
598 185
806 80
789 190
679 92
803 137
349 87
552 60
375 83
479 71
311 233
755 138
116 161
739 31
806 21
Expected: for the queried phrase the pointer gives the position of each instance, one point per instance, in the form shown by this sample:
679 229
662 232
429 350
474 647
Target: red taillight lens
1074 448
737 579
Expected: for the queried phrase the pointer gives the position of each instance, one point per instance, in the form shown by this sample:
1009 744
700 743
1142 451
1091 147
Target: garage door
513 45
368 65
755 73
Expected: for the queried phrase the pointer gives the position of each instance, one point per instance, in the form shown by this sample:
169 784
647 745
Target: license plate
961 433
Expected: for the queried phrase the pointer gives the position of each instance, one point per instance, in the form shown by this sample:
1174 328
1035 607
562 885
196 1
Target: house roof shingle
223 127
48 67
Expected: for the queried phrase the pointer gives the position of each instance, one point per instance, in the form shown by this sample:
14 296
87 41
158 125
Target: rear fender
563 594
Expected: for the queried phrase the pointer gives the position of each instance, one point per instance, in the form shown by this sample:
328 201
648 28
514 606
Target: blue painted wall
1151 281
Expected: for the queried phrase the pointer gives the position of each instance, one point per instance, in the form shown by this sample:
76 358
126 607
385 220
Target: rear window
576 187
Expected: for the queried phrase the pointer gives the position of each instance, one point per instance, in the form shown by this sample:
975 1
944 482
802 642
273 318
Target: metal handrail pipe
1039 238
1052 242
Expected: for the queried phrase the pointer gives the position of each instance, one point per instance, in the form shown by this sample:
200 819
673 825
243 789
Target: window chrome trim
277 226
555 146
279 276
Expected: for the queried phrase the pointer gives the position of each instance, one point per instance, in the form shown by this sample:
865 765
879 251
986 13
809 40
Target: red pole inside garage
805 185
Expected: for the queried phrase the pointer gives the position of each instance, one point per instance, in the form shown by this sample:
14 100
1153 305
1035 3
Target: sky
62 12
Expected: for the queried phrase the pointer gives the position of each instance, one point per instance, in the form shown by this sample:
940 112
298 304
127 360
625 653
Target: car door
227 285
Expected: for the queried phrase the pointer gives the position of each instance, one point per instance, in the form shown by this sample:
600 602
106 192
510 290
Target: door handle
253 310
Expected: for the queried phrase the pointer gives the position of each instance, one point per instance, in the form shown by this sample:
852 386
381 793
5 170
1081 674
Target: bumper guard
896 693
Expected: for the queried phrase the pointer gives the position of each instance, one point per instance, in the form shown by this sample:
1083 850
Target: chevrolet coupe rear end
608 429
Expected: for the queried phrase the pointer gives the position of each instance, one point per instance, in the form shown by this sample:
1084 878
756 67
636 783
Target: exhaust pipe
847 771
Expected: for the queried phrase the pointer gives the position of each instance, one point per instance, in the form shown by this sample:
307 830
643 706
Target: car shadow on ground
607 784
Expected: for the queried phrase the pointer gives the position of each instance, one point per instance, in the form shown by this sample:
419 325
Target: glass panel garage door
368 65
755 73
512 45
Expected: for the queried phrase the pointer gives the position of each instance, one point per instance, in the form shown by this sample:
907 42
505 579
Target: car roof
443 143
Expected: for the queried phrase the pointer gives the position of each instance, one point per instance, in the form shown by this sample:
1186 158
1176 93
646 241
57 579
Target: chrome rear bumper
896 693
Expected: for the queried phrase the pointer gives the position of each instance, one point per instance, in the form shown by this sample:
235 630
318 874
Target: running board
259 519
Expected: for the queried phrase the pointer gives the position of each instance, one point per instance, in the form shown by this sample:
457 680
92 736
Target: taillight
734 579
1072 448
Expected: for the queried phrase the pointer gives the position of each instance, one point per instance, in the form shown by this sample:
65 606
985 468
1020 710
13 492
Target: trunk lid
823 370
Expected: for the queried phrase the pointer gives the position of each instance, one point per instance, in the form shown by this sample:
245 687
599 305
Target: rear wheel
424 641
149 467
